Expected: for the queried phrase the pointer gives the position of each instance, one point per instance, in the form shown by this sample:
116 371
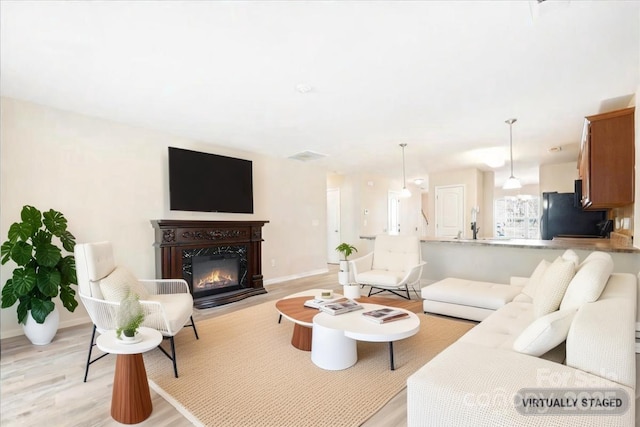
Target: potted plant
42 272
129 318
344 275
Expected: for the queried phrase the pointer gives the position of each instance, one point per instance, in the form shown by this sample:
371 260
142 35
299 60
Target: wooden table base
301 338
131 400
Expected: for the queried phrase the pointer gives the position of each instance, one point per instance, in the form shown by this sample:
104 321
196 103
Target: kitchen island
496 260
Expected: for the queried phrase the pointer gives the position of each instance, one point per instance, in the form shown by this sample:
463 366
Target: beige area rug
244 372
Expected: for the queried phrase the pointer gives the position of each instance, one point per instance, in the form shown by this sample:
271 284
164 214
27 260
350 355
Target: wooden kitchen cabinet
607 158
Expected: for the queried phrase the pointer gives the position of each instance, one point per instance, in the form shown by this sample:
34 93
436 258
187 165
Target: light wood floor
42 385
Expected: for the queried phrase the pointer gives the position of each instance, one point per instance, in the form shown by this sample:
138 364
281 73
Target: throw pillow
545 333
596 255
570 255
588 283
119 283
552 287
530 288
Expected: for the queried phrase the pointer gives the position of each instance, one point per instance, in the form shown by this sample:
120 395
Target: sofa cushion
470 293
588 282
570 255
523 298
117 285
552 287
501 328
545 333
596 255
530 288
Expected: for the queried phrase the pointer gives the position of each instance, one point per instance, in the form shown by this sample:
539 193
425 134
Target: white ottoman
467 299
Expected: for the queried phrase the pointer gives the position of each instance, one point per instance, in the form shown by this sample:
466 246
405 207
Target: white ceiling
440 76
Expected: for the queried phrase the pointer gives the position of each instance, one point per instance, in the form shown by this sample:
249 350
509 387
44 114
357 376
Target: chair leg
416 292
280 318
171 356
89 361
173 351
86 369
193 325
406 289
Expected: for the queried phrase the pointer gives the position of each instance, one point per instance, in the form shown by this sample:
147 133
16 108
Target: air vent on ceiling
305 156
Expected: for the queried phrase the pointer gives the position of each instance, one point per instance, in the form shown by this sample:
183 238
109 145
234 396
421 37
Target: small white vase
42 334
343 274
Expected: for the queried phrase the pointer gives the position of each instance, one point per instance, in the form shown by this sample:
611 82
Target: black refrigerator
562 215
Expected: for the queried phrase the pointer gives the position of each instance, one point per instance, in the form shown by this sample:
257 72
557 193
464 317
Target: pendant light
405 191
512 183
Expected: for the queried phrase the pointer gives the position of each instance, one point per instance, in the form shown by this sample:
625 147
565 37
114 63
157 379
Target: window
517 217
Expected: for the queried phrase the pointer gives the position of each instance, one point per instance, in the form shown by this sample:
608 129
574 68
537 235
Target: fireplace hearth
220 260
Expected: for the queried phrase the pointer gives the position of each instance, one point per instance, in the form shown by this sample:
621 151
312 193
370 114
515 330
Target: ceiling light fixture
405 191
513 182
303 88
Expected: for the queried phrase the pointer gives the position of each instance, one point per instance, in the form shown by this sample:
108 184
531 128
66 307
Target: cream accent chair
167 303
394 265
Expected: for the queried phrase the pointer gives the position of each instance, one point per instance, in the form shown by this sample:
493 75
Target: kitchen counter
496 260
605 245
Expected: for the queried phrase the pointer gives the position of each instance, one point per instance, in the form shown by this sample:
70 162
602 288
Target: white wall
559 177
110 180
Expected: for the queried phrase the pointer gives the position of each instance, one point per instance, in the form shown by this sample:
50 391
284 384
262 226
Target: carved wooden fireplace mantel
177 242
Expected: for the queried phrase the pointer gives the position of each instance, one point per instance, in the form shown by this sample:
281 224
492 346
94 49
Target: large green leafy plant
42 271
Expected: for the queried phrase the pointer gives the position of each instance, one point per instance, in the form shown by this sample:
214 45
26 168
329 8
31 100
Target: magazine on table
317 302
385 315
343 305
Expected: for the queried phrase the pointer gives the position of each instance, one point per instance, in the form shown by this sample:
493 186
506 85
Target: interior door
393 225
333 225
450 211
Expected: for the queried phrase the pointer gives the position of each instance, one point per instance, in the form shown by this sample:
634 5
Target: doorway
333 225
393 215
450 211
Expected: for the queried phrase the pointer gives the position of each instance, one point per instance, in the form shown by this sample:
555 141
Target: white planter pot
42 334
344 275
351 291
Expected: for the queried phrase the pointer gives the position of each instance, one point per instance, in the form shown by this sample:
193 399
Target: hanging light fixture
405 191
512 183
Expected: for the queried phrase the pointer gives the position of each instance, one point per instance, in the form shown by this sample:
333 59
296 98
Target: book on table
343 305
317 302
385 315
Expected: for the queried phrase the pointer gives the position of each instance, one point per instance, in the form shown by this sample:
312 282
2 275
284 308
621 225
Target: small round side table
131 400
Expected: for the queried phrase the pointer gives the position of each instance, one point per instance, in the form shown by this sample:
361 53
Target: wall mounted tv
206 182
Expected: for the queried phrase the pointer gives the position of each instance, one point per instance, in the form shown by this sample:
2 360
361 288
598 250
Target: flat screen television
206 182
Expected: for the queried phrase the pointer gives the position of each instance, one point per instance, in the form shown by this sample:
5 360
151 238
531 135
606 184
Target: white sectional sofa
574 335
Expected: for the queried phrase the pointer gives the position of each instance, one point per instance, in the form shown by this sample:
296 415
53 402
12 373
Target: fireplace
220 260
213 274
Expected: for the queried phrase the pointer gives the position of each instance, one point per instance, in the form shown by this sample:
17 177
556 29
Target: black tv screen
206 182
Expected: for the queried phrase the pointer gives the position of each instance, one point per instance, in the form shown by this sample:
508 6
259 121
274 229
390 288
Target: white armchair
167 303
394 265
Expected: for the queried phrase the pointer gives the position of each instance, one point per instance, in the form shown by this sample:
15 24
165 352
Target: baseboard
297 276
16 332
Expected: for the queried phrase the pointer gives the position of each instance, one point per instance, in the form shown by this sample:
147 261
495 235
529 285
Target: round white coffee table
334 338
130 400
